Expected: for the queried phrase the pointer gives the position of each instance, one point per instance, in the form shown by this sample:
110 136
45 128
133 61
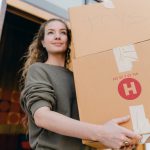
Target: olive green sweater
52 86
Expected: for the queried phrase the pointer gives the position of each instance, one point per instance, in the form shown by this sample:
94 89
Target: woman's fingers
128 133
115 136
135 137
128 144
121 119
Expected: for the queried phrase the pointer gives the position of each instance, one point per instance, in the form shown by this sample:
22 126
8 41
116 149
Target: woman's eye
63 33
50 32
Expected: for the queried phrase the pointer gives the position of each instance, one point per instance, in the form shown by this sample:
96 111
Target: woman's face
55 38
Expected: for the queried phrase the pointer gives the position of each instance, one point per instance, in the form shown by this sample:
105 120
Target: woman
49 98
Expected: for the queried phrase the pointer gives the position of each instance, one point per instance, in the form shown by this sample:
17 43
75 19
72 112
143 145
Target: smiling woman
49 88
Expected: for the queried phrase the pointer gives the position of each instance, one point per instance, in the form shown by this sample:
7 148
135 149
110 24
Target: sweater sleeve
38 90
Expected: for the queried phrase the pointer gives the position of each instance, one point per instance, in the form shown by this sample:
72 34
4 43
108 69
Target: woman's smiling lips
57 44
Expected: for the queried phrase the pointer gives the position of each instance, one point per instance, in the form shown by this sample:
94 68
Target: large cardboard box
112 62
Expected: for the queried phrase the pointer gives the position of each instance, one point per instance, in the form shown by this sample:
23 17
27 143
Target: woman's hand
110 134
114 136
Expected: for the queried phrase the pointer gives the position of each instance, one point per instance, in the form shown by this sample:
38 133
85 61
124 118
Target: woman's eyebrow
64 29
59 29
51 29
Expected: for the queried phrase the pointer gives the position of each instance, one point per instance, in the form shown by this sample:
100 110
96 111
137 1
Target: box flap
96 28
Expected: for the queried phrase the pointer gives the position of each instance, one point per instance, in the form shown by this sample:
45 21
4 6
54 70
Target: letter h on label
132 88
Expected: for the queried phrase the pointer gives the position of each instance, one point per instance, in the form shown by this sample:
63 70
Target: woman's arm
109 134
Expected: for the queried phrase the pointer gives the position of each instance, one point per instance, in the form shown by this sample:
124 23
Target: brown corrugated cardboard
96 28
109 80
97 80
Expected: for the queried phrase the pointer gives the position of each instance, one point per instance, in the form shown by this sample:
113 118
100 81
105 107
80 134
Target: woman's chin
57 51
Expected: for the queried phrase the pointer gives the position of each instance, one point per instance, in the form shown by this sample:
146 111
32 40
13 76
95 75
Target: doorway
18 31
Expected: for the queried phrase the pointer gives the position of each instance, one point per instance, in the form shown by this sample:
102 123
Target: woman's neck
57 60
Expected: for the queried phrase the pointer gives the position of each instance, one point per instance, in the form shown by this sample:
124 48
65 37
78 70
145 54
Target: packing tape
145 138
125 56
140 123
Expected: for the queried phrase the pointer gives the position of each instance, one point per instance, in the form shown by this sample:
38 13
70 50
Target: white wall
2 14
56 7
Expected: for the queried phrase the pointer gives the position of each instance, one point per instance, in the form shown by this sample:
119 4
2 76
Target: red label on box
129 88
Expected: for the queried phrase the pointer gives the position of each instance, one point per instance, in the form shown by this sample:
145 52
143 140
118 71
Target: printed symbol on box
125 56
129 88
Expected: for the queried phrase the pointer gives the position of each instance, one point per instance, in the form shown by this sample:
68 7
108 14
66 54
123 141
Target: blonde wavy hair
37 53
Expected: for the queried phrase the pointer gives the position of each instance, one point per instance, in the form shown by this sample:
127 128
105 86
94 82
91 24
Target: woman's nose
57 36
